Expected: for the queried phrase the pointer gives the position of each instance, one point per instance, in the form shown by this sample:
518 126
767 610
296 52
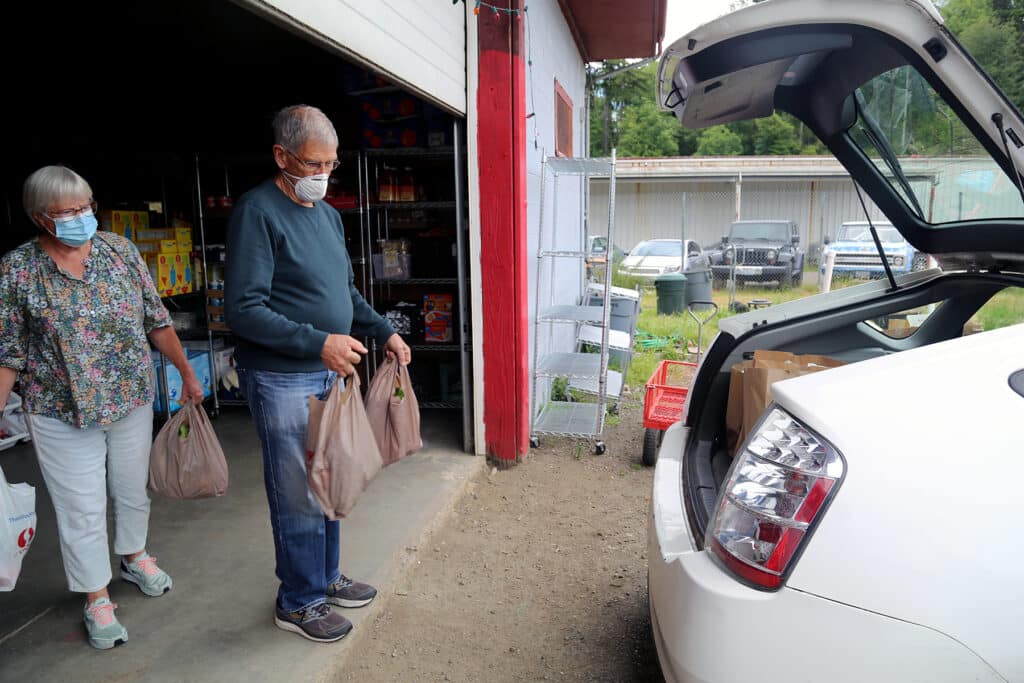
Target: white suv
868 526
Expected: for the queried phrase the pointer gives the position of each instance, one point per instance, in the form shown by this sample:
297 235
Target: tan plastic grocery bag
393 412
186 460
341 451
750 387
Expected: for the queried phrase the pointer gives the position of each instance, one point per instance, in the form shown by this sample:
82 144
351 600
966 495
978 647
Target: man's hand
191 389
341 353
397 348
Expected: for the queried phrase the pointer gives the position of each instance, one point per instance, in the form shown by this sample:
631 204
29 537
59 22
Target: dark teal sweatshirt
289 283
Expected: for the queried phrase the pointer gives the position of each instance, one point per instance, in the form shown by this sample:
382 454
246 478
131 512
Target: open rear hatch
859 74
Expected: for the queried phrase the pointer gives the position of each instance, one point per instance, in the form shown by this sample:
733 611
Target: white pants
79 465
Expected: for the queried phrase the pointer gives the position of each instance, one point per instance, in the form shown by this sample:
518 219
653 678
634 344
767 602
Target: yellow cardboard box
124 223
173 274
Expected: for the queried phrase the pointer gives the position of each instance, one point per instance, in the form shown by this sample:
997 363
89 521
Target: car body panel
651 266
709 627
913 571
924 527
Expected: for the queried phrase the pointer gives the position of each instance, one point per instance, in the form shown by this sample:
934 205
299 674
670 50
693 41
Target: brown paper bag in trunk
341 451
734 425
393 412
186 460
750 387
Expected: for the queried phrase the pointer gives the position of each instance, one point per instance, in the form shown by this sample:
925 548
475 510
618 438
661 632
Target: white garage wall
422 45
552 50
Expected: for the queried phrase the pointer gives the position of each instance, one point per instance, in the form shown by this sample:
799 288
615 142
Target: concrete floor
216 625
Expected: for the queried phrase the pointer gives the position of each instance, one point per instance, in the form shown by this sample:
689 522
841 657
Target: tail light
778 489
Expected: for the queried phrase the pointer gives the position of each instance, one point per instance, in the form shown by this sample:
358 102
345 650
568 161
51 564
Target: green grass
680 330
1004 309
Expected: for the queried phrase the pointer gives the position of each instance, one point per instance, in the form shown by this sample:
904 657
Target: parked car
597 252
652 258
864 529
760 251
857 255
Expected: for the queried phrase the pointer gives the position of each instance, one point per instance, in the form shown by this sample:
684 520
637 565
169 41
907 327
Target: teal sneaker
144 573
104 630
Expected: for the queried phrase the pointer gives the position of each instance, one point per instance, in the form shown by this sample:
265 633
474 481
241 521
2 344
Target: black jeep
760 251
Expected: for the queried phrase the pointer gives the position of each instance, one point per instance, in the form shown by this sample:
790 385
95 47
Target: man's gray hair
300 123
52 184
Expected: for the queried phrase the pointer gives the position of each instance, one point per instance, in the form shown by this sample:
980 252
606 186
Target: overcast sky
686 15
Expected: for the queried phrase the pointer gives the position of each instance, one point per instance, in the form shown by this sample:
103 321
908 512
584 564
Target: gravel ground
540 573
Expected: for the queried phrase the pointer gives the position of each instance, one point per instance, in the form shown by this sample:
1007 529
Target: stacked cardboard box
167 251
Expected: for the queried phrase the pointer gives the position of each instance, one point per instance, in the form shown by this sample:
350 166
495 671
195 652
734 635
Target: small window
928 155
902 324
1002 310
694 249
563 122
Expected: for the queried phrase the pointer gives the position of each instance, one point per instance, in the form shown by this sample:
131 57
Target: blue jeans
306 543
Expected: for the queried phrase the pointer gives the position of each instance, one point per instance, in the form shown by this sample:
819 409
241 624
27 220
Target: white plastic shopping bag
17 528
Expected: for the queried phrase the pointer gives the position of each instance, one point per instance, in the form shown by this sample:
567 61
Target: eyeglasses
65 214
315 165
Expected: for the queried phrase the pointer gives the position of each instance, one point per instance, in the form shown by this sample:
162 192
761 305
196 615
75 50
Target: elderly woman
76 309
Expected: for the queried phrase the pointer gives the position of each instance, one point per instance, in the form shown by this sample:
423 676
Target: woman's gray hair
52 184
300 123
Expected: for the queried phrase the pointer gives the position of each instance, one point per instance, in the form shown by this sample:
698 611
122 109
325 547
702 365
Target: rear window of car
1003 310
937 165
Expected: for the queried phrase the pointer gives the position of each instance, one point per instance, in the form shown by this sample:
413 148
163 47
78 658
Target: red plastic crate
663 402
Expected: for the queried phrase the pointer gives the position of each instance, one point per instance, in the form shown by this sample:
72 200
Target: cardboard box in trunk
750 387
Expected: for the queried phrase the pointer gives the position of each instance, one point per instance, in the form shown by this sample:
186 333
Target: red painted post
501 103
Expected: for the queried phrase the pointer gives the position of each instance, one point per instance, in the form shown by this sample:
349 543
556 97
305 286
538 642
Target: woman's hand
191 389
397 348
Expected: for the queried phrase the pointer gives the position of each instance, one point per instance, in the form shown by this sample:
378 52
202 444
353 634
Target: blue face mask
77 230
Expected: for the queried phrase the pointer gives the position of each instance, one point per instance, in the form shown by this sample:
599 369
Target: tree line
624 114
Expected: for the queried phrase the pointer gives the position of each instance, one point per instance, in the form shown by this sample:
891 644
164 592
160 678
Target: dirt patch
539 574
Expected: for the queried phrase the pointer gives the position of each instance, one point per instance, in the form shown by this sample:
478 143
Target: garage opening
165 108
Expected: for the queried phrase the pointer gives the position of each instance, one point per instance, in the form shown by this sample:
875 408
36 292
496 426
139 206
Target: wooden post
501 139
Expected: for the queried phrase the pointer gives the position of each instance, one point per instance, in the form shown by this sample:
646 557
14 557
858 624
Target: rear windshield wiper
881 143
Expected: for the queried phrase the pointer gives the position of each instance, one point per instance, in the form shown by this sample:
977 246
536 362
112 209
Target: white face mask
309 188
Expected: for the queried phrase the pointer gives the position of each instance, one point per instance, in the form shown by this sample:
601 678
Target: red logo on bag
25 537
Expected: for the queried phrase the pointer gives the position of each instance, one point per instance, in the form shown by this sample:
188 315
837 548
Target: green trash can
671 290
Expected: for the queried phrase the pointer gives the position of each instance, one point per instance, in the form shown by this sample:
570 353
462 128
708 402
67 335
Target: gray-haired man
291 300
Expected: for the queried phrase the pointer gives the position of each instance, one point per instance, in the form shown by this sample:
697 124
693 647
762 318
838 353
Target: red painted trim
501 141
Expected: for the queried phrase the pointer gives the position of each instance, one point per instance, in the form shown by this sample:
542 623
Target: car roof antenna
997 119
878 242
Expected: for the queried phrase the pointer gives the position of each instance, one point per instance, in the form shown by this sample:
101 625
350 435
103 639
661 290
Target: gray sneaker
348 593
144 573
317 623
104 630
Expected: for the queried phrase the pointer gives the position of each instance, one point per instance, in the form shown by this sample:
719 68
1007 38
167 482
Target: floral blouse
80 346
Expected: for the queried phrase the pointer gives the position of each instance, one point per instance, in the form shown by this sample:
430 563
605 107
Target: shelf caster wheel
534 442
599 448
652 441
